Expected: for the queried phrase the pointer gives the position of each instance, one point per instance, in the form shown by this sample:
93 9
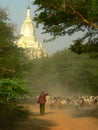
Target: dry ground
56 119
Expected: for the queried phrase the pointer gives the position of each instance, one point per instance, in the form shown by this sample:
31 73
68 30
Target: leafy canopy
11 89
68 16
14 64
12 59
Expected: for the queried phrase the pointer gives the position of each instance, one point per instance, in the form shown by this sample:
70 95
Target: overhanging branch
82 18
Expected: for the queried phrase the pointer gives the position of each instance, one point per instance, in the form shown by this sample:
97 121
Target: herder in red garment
42 101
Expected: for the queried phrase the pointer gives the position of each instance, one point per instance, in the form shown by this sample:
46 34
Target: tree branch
82 18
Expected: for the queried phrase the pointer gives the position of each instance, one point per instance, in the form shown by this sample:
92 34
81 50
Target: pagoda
27 39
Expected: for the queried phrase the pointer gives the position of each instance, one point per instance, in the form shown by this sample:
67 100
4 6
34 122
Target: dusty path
56 119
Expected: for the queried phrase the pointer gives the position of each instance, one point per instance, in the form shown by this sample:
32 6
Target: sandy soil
56 119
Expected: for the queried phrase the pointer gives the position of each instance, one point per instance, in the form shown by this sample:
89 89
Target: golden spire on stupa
28 40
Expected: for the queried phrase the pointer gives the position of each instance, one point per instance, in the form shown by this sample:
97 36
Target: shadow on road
36 123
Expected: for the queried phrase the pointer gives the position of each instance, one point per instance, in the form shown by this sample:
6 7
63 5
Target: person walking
42 101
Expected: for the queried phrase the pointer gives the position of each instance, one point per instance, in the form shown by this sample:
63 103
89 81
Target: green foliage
10 90
89 48
60 17
10 116
65 72
21 113
10 112
13 61
77 47
14 65
92 49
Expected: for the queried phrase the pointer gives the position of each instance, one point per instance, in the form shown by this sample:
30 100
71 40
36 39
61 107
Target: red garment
42 98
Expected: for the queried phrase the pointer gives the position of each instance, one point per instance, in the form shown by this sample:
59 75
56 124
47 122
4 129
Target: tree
77 47
89 48
13 66
13 60
60 17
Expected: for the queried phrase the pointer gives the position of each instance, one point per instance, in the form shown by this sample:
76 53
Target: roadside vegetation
71 72
13 67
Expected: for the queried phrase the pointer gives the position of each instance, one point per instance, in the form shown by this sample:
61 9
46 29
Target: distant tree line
67 71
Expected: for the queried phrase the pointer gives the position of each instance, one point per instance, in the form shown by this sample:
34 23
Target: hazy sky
17 14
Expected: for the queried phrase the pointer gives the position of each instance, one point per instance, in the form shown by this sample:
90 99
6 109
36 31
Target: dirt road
56 119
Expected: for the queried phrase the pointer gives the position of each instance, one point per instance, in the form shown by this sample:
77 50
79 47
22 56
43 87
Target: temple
28 40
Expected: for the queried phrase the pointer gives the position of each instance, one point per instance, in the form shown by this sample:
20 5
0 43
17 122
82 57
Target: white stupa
28 40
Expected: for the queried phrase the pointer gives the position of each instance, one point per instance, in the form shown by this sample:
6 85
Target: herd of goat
72 102
63 102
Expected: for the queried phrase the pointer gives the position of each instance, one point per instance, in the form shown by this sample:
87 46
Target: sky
17 14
